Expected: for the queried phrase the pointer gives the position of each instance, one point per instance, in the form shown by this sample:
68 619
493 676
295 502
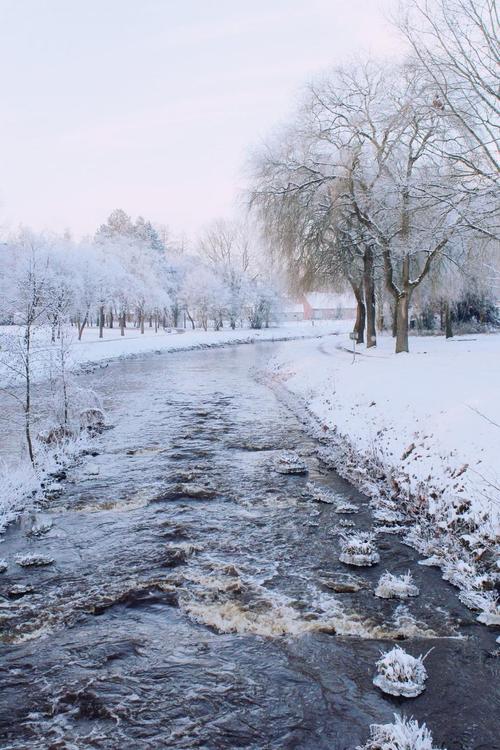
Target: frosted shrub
359 549
400 673
92 419
403 734
396 587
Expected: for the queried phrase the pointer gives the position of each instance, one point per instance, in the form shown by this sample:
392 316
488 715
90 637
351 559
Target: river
189 606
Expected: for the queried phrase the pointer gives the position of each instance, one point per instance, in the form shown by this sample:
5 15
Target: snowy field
422 428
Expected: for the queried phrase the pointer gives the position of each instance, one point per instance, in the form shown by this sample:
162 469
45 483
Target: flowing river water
189 604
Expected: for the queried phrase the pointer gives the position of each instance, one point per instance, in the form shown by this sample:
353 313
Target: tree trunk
111 319
359 326
379 309
447 318
27 403
190 319
394 320
28 437
402 306
81 327
122 324
101 321
141 315
369 289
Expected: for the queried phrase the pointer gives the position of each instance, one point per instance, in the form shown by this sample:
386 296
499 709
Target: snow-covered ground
421 429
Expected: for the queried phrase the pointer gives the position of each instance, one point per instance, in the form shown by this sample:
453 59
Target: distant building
321 306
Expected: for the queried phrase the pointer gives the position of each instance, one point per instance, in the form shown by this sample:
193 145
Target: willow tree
295 194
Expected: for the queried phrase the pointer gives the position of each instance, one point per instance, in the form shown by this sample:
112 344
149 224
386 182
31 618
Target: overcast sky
152 105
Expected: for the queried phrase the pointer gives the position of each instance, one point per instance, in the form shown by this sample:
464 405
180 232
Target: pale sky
153 105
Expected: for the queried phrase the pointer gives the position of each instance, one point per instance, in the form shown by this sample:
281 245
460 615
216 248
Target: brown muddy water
188 604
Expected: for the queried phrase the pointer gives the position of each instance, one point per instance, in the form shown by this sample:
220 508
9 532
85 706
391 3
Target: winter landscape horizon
250 375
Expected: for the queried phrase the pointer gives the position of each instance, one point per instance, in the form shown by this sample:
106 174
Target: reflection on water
196 599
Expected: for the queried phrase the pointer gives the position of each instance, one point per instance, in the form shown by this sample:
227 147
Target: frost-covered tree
203 296
457 51
118 225
225 245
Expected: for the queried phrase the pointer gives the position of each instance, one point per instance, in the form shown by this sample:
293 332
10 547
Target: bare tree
26 298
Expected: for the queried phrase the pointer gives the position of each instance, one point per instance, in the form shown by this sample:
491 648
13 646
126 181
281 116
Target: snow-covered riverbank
92 350
418 431
113 346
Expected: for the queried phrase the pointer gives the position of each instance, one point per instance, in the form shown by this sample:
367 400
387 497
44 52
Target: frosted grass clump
320 495
41 526
388 516
3 566
491 614
359 549
400 673
32 559
345 507
402 734
289 462
396 587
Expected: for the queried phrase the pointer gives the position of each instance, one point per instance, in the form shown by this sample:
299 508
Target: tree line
129 275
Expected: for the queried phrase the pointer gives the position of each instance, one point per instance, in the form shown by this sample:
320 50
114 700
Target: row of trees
387 177
128 275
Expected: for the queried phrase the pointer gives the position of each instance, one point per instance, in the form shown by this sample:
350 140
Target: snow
418 432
